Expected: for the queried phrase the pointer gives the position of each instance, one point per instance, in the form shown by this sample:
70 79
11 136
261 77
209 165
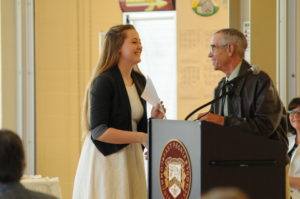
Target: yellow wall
8 64
262 17
66 37
234 14
196 77
263 35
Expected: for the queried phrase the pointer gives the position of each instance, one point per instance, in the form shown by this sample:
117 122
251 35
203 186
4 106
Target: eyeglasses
213 47
294 112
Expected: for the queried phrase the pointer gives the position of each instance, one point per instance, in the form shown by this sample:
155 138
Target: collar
235 72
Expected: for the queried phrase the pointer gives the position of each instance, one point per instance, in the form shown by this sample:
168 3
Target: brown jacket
254 105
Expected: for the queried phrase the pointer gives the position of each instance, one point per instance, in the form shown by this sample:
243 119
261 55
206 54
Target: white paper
149 94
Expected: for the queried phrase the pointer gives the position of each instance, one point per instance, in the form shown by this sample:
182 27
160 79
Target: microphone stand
208 103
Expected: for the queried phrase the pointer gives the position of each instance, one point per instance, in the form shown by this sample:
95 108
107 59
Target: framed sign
146 5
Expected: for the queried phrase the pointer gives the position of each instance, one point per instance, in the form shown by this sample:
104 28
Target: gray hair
235 37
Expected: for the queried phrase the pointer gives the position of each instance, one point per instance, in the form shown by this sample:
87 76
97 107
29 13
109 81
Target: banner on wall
146 5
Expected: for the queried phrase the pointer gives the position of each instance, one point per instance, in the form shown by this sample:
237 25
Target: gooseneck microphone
230 85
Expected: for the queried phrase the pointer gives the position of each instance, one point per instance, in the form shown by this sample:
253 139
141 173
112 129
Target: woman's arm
117 136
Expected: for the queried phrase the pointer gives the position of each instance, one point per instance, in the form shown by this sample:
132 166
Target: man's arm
261 108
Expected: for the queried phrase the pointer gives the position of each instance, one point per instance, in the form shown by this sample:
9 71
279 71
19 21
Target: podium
219 157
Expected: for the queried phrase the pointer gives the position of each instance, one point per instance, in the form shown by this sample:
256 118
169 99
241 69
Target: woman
294 150
111 163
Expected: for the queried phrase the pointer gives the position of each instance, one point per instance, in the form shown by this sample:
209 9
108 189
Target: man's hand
210 117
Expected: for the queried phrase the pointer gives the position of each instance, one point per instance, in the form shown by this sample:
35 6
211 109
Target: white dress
120 175
294 165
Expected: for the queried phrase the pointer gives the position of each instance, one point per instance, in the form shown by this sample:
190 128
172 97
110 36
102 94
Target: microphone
253 70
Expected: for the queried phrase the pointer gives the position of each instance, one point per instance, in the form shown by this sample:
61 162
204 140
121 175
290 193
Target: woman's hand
158 111
144 140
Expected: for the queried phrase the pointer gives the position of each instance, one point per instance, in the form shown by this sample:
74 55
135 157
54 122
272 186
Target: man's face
218 53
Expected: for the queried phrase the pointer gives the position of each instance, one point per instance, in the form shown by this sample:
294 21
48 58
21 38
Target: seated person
294 149
12 164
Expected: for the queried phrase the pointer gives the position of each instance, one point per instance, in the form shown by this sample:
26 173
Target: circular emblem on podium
175 171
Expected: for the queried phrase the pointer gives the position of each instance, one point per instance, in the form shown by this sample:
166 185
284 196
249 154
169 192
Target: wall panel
66 36
196 76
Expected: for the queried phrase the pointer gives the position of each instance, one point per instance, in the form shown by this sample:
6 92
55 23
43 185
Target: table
46 185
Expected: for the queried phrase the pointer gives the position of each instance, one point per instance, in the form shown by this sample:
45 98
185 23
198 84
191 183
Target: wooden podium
219 156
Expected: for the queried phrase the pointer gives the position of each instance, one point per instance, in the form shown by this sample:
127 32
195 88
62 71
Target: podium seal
175 171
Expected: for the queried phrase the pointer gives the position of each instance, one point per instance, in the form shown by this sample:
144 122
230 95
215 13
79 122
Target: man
12 163
253 103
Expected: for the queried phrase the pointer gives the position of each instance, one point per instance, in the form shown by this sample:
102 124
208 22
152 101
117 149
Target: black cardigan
110 107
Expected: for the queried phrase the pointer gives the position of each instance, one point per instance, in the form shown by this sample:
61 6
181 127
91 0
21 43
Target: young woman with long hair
114 116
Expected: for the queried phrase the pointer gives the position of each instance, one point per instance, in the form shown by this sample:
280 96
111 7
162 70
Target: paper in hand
149 94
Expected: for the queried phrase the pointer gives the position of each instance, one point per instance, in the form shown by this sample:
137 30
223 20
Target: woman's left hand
158 111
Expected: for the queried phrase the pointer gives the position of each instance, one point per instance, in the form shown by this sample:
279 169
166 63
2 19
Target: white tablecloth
42 184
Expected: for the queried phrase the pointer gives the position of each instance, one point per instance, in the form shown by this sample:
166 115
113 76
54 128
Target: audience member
12 164
294 149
